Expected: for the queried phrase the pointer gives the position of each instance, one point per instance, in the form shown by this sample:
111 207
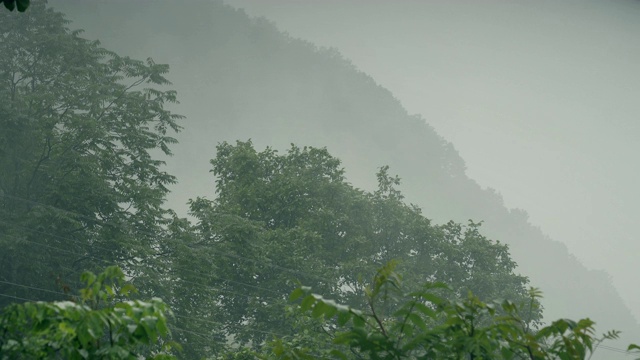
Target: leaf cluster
280 219
81 185
94 326
21 5
425 325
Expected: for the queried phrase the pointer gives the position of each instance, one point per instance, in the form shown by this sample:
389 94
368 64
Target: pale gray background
541 99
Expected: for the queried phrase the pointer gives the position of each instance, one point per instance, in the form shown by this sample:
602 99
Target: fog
530 110
539 98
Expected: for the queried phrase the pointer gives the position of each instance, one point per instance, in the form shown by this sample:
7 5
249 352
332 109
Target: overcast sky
541 99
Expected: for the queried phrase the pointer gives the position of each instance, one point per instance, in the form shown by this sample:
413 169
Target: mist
518 115
538 98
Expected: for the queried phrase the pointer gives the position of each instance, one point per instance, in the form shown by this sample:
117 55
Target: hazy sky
541 99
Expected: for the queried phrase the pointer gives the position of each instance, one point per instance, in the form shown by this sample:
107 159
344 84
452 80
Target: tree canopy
282 219
80 186
240 77
424 325
97 323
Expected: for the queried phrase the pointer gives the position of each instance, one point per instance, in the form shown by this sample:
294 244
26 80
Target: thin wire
605 347
213 322
108 262
271 265
32 287
59 249
200 285
195 333
206 276
171 325
76 214
177 315
15 297
224 291
298 272
89 218
77 241
238 327
611 348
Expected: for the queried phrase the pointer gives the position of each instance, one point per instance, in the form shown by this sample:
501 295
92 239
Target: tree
80 184
425 325
96 325
278 220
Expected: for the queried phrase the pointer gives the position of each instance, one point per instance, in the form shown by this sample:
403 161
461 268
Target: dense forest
244 79
85 136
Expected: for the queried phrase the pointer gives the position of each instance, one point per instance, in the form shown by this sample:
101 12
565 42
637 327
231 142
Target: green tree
98 324
425 325
80 184
280 219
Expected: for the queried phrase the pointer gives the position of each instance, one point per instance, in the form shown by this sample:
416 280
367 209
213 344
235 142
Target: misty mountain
242 78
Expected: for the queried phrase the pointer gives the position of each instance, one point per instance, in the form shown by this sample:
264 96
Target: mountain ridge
251 71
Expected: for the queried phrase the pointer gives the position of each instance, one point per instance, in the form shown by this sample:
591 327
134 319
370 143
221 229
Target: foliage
252 80
80 186
279 219
425 325
94 326
22 5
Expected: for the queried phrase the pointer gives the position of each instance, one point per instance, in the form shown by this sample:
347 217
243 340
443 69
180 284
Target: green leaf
343 318
358 321
22 5
318 309
84 353
432 298
425 310
307 302
417 321
10 4
296 294
330 311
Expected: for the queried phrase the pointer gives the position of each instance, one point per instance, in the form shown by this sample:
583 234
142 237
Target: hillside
241 78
